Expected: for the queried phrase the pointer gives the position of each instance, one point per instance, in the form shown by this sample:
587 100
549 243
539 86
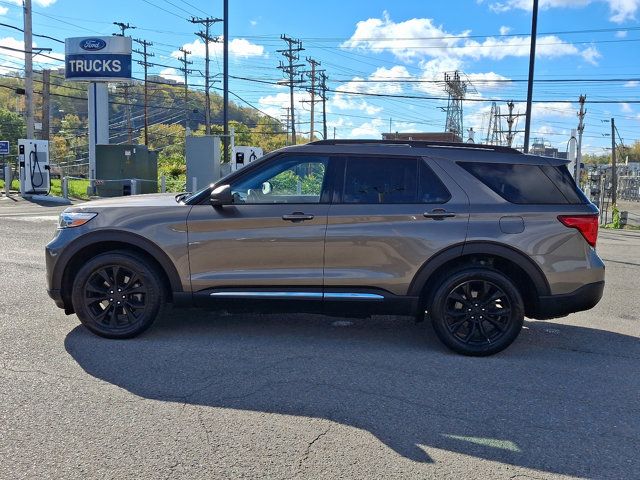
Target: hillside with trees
168 118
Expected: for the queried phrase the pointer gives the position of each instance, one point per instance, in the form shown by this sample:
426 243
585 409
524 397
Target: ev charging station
33 158
241 156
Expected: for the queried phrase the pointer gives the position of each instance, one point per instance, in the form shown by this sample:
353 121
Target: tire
118 294
477 312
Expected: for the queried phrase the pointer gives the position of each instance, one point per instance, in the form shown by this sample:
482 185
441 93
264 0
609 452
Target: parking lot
205 395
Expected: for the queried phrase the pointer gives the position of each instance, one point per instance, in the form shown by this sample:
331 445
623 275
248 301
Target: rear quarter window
526 184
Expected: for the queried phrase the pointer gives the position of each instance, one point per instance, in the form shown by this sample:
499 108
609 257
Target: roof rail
418 144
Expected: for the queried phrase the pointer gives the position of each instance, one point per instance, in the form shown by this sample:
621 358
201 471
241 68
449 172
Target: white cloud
621 34
172 74
626 108
419 39
632 84
591 55
371 129
238 47
504 30
620 10
3 10
40 3
276 104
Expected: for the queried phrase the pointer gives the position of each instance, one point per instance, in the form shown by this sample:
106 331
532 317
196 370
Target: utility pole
582 99
127 108
292 54
614 176
146 55
225 80
510 121
186 71
28 68
532 62
313 77
204 35
46 103
123 28
286 115
323 87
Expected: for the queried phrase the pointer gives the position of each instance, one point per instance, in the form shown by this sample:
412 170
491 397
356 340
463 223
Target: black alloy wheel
117 294
477 311
115 297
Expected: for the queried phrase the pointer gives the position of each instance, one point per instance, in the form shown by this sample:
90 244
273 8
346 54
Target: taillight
587 225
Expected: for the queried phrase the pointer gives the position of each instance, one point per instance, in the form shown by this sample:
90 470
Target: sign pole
98 124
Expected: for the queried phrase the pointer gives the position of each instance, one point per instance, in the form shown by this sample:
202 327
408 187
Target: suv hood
147 200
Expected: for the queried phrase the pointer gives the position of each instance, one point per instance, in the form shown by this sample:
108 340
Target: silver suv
472 237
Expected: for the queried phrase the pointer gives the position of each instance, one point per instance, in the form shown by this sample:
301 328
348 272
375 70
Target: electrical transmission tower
204 35
290 68
146 64
494 129
457 90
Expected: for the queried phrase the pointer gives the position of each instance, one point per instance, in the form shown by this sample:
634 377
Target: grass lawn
77 188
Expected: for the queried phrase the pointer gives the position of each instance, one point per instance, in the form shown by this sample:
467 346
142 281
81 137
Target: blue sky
408 42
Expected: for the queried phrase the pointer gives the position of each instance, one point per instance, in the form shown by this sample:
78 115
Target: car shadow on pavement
562 399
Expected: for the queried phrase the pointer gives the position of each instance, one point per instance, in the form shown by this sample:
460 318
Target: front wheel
117 295
477 312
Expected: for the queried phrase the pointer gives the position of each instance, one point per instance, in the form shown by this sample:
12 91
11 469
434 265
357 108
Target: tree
12 127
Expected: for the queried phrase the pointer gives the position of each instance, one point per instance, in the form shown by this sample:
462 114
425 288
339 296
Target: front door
271 236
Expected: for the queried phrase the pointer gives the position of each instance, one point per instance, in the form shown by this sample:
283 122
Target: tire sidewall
500 280
154 296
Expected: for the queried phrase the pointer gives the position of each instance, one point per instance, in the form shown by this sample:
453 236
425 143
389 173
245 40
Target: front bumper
584 298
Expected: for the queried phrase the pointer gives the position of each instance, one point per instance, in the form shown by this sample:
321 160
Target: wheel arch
527 276
96 243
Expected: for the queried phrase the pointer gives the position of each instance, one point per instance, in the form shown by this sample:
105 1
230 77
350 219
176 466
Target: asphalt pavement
205 395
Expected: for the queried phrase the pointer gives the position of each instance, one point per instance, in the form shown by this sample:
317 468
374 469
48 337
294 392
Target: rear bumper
584 298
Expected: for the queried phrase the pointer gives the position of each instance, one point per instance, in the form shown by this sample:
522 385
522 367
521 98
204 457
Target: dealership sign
98 59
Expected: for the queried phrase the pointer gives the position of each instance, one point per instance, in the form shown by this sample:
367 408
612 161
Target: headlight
74 219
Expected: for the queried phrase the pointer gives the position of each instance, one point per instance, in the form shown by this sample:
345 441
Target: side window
380 180
431 189
517 183
291 179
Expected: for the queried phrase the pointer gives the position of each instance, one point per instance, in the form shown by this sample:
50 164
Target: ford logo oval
93 44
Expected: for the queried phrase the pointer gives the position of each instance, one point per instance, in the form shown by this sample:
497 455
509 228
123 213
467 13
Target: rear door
388 217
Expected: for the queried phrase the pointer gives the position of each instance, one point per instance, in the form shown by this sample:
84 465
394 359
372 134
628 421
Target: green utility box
117 165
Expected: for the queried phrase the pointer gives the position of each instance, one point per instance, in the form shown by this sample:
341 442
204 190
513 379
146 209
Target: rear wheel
117 295
477 311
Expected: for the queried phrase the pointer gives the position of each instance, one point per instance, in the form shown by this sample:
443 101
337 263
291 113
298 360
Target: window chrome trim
353 296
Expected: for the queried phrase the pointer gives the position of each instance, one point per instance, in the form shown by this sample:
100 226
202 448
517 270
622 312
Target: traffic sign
4 147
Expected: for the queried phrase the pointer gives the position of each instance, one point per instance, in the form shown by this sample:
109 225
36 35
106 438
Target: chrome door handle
438 214
297 217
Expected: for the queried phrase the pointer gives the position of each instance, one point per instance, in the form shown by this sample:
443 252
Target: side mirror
266 188
221 196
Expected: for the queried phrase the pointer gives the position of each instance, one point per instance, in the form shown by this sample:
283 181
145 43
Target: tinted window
522 184
381 180
291 179
564 181
432 190
392 180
